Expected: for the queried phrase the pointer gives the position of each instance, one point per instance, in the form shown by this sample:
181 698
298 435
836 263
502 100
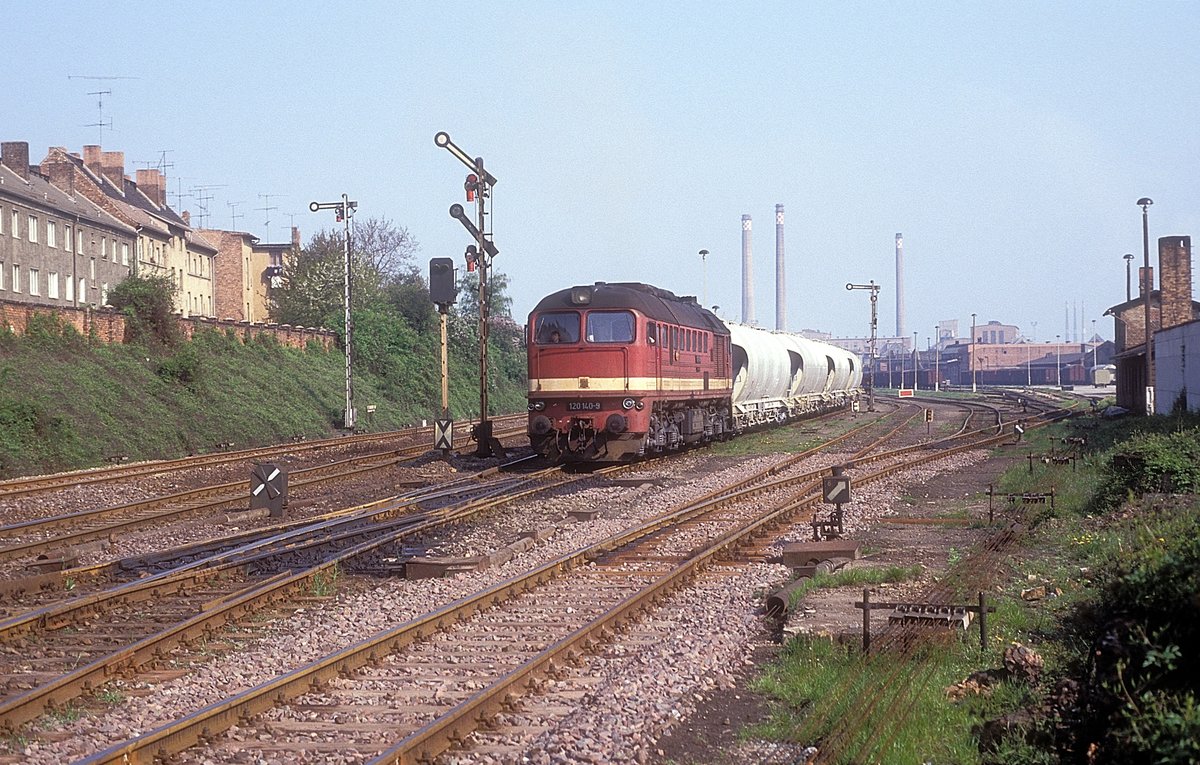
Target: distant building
246 272
995 333
1171 306
166 244
57 247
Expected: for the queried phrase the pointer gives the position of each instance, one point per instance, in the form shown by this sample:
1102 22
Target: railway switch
268 488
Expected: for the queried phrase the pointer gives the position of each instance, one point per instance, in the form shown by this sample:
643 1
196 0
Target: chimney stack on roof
1145 281
91 158
296 238
154 185
112 167
15 156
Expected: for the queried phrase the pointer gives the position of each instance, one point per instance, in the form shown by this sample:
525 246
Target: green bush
148 303
1152 462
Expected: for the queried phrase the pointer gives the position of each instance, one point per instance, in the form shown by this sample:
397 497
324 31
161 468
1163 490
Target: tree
148 303
312 293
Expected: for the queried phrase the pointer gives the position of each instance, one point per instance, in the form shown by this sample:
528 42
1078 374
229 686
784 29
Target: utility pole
874 288
345 210
478 186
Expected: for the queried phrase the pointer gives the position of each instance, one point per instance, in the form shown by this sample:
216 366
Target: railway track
39 536
589 558
20 487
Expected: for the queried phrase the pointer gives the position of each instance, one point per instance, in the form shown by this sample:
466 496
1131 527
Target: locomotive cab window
557 327
651 333
610 327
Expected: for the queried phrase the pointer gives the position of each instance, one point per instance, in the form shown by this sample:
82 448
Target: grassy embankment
68 403
1119 560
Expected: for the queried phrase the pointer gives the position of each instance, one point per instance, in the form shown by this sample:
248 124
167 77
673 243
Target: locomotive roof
655 303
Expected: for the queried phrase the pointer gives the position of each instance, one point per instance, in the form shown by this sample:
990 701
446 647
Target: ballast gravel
702 635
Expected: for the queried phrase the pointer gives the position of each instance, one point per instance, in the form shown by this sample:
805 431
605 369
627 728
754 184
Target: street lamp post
1145 203
345 210
1058 361
971 353
1094 344
937 357
916 361
1128 276
1029 365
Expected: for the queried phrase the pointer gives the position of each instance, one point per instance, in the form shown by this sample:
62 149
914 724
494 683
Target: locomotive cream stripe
625 384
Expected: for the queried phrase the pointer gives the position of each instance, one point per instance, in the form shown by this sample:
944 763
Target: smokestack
1175 279
747 274
900 332
780 287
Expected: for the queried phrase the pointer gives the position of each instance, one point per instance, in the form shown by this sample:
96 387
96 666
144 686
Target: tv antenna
179 195
162 164
203 197
234 215
101 123
267 208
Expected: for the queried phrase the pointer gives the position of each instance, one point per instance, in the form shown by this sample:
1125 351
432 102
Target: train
618 371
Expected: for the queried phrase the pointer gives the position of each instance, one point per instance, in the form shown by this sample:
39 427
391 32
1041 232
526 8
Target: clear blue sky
1008 141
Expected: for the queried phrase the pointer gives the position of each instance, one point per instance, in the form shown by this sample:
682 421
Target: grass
110 695
816 682
66 403
324 583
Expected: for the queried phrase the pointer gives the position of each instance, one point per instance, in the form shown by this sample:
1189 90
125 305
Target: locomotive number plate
583 406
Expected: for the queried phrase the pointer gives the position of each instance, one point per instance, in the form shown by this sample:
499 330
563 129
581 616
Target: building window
68 238
16 224
35 286
124 253
51 234
33 226
79 242
52 286
104 294
16 278
103 250
1 270
92 272
83 289
70 290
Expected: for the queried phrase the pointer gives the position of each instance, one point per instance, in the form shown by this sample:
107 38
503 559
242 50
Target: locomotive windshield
557 327
610 327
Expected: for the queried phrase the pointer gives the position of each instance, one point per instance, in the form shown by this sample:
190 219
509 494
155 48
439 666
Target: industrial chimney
900 333
780 286
747 274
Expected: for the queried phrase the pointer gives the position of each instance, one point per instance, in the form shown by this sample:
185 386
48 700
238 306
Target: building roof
37 190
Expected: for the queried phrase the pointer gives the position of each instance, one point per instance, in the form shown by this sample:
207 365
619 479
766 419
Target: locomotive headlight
628 403
537 406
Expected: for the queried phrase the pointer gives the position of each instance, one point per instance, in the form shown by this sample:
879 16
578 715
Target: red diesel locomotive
616 370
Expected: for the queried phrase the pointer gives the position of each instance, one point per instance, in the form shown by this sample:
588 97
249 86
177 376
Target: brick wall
109 325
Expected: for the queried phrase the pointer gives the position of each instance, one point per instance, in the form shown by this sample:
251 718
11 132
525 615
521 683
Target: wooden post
866 621
982 623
